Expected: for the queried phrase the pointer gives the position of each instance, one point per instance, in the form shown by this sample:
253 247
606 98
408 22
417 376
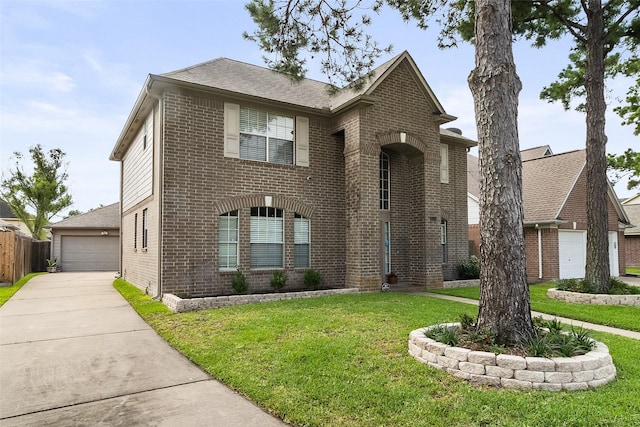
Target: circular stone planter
480 367
596 299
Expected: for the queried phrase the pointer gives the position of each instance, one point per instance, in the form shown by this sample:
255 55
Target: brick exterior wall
341 196
632 248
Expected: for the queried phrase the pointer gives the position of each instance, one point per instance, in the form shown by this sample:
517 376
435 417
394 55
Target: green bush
312 279
469 268
278 279
239 283
618 287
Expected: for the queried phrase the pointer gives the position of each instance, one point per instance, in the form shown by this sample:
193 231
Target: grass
633 270
343 361
8 291
625 317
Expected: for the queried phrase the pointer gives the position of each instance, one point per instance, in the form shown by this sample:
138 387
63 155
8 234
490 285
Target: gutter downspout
160 148
539 251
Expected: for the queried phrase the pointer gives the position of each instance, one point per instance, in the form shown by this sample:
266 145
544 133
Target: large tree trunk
504 294
597 269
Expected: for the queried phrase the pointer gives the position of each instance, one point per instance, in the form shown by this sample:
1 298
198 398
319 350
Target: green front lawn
343 361
633 270
8 291
616 316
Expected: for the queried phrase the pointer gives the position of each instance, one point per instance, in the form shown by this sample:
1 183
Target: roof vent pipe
455 130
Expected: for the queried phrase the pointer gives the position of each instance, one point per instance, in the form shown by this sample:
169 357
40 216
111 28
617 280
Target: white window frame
443 238
232 240
444 163
385 177
145 229
300 238
267 229
276 127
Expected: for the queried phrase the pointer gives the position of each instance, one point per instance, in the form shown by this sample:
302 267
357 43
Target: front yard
342 361
616 316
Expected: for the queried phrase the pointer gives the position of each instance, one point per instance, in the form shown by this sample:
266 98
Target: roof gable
535 152
105 217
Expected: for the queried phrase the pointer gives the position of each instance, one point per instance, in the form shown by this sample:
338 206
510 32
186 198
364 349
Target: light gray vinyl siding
137 164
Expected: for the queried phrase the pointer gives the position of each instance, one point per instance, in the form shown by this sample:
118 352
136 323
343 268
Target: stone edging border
596 299
181 305
484 368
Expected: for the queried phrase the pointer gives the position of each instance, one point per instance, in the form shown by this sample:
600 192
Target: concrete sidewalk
586 325
74 352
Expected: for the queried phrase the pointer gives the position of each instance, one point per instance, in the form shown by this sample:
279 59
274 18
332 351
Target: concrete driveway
73 352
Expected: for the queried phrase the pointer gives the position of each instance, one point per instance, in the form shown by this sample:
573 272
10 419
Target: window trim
279 215
145 229
268 144
135 232
444 164
385 176
443 239
230 214
307 243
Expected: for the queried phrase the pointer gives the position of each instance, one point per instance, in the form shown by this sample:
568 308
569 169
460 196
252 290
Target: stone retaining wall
479 367
181 305
460 283
598 299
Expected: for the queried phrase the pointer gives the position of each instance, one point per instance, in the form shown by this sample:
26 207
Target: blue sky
70 72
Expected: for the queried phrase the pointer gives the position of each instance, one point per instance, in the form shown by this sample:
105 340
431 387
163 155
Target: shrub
312 279
444 334
467 321
278 279
618 287
469 268
239 283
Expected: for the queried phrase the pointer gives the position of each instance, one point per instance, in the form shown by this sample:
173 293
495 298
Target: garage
572 250
89 253
88 242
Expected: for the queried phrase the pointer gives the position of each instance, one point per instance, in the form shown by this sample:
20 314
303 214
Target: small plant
278 279
444 334
581 340
618 287
239 283
312 279
469 268
467 321
52 262
537 345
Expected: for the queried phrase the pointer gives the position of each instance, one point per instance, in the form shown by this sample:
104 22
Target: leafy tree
626 164
288 28
606 41
36 198
73 212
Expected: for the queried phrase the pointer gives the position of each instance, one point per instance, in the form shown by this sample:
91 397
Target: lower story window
228 240
301 241
443 239
267 236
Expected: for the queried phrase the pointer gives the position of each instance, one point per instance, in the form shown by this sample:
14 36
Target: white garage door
89 253
573 253
572 250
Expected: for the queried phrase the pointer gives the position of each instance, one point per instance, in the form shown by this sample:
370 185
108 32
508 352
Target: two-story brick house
226 166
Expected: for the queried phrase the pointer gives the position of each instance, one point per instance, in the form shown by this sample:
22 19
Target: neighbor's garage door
90 253
573 253
572 246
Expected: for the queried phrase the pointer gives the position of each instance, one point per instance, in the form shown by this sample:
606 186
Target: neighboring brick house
226 165
554 193
632 234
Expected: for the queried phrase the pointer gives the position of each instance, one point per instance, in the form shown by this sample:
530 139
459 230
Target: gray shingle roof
546 183
535 152
236 76
105 217
633 212
5 211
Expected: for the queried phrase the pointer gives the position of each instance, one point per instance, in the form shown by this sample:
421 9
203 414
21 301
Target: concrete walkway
74 352
586 325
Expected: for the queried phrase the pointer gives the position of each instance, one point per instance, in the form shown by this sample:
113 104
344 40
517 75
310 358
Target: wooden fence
21 255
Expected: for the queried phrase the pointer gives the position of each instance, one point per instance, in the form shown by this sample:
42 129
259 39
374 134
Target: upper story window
266 136
384 181
444 163
260 135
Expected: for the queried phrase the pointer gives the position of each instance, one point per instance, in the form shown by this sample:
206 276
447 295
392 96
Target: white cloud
31 74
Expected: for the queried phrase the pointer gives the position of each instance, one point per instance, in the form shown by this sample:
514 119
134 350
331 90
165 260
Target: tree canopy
35 198
626 165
